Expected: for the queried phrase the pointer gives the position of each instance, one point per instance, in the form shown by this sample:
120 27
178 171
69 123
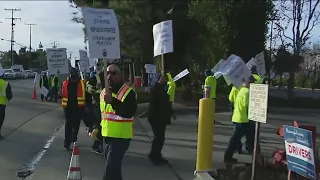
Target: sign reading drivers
299 151
57 61
102 32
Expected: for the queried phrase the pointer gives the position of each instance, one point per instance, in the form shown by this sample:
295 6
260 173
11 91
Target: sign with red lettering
299 150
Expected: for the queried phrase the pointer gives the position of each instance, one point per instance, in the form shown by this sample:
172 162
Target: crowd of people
108 113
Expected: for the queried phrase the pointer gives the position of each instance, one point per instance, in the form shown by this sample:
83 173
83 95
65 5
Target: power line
12 29
30 31
15 42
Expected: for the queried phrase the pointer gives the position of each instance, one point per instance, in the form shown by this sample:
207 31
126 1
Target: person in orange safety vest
73 103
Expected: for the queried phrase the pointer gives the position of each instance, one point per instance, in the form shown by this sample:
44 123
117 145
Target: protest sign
162 37
299 151
44 91
84 61
259 62
181 75
152 79
234 69
57 61
102 32
258 102
218 66
150 68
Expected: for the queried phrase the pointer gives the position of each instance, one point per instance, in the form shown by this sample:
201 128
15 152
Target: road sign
299 150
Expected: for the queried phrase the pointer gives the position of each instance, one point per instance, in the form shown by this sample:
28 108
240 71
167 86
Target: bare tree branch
311 13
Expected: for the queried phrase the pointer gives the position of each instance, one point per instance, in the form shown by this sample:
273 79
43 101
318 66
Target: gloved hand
94 133
91 89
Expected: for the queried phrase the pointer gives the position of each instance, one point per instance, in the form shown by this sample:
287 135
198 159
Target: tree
300 17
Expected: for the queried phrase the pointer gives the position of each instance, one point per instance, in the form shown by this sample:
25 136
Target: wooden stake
162 64
255 150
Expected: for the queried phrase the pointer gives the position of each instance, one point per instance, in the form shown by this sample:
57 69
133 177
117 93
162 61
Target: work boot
158 161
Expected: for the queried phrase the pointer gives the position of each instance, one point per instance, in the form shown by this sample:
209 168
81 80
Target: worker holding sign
240 122
211 81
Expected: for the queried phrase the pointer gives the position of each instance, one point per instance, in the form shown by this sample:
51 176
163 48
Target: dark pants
54 94
158 130
114 151
240 130
73 119
2 115
251 132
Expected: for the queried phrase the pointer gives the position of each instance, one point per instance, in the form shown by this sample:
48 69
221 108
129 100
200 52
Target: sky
53 20
54 23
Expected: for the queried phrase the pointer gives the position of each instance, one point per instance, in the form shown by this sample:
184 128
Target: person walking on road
44 82
94 88
118 105
54 81
5 96
242 126
73 102
159 114
172 93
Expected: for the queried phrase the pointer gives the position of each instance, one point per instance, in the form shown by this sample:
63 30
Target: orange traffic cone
74 172
34 94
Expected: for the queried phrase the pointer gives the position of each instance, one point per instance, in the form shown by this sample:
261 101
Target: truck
18 69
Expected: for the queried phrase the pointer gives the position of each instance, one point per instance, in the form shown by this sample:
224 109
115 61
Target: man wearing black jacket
159 117
118 105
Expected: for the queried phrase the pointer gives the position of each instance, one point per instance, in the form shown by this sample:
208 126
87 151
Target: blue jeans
240 130
114 151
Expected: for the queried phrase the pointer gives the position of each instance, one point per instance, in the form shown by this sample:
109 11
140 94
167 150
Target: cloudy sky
54 24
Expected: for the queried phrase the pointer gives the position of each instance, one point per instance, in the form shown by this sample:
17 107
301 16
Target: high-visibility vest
113 125
52 81
212 82
80 93
171 88
258 79
3 92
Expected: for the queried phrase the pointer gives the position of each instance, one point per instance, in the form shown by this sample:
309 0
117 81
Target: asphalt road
28 125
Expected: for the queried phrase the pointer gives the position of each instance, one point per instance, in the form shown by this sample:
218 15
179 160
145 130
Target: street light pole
30 31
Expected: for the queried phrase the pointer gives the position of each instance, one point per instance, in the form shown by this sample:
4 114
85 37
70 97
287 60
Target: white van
18 69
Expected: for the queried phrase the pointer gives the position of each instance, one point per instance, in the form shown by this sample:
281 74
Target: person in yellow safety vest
54 84
242 126
118 105
5 96
172 93
232 96
44 82
94 87
212 82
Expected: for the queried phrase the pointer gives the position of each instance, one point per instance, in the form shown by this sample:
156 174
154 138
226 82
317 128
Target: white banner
102 32
181 75
84 61
162 37
259 63
57 61
234 70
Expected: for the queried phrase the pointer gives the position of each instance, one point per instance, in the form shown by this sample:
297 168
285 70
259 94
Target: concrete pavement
28 125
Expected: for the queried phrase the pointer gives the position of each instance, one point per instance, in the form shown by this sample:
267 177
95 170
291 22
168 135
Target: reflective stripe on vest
112 124
80 93
3 92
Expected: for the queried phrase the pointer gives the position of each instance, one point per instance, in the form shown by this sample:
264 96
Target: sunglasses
113 73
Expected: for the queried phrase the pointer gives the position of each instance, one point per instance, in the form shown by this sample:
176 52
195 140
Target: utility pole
12 29
30 31
70 52
55 44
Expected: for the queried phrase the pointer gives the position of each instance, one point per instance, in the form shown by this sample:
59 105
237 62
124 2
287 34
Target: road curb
203 176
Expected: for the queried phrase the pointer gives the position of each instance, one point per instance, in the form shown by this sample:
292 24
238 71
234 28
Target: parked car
9 74
18 69
29 73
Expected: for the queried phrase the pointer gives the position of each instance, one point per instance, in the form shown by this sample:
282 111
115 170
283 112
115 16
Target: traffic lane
28 124
21 146
181 141
22 83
